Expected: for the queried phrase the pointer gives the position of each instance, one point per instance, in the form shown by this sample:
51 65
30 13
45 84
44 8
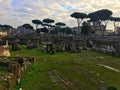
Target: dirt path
111 68
58 79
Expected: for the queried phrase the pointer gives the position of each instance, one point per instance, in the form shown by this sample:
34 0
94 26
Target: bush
112 88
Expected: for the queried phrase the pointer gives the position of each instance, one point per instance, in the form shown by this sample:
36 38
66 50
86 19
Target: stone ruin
32 44
15 46
74 47
107 46
64 45
4 50
70 45
15 66
49 48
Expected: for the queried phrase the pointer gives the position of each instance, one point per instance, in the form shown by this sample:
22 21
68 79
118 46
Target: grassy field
69 71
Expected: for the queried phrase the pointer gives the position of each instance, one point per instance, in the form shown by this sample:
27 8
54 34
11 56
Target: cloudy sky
18 12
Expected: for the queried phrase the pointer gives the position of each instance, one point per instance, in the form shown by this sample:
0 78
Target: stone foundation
15 67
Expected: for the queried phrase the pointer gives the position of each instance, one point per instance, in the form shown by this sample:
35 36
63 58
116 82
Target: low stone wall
15 67
69 46
65 45
107 46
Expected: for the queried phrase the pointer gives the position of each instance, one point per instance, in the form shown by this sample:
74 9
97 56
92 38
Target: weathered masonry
4 51
107 46
13 68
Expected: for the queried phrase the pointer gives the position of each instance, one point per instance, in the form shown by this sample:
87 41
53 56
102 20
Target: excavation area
85 70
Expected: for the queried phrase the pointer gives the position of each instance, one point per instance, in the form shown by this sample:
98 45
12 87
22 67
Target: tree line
102 17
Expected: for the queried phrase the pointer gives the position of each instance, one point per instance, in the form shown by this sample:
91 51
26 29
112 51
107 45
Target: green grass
3 69
80 69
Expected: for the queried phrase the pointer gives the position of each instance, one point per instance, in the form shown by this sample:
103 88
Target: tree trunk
100 28
114 27
78 25
105 22
104 31
36 26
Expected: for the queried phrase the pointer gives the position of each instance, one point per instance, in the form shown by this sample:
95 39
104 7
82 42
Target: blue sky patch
67 7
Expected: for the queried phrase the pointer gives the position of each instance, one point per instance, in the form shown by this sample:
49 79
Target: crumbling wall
15 67
107 46
4 51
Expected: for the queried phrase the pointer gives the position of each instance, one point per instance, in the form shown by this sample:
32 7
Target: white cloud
17 12
28 9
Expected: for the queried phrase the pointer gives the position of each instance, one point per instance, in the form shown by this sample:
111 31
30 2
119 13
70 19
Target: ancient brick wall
15 70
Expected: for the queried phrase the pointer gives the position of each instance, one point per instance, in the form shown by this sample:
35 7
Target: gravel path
111 68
